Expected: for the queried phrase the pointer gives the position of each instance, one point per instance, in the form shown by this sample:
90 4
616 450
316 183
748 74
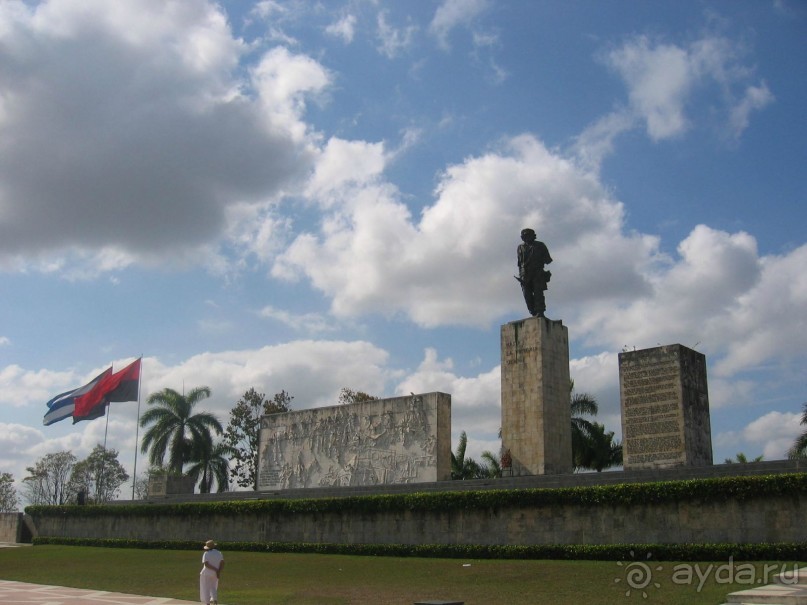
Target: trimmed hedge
721 489
605 552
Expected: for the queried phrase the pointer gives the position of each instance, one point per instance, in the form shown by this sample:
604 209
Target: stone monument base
536 404
162 484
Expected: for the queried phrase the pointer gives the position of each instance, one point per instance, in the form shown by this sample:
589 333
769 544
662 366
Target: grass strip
577 552
252 578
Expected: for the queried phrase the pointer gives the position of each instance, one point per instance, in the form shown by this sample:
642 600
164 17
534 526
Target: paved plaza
21 592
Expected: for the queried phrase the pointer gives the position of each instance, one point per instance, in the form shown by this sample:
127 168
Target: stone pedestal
536 412
162 484
665 408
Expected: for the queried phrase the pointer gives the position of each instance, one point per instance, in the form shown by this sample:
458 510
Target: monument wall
750 518
665 408
535 382
10 527
733 522
383 441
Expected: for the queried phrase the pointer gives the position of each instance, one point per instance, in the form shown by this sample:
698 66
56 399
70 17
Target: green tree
243 431
463 467
582 404
592 447
174 429
99 475
601 450
492 466
742 459
209 465
799 448
48 480
141 486
348 396
8 495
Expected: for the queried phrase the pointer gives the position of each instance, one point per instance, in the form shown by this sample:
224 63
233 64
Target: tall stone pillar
665 408
536 408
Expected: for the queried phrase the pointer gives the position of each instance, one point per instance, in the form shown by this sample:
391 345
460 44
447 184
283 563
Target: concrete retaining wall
762 519
11 527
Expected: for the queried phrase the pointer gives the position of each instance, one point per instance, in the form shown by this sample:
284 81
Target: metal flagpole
106 428
137 427
99 489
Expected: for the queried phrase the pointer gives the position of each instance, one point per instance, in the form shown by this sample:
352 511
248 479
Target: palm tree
799 449
492 467
462 467
582 404
175 429
601 450
742 459
211 463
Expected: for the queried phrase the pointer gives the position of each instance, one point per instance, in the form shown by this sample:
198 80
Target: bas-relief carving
375 442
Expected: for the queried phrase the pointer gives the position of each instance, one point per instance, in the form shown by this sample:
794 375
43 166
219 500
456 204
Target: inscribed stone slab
665 408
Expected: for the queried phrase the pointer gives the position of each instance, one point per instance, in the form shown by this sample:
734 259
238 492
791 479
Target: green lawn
306 579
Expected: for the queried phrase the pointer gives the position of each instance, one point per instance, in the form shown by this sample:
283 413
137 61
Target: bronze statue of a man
532 256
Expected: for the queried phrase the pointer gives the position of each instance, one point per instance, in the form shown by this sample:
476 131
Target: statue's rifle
547 275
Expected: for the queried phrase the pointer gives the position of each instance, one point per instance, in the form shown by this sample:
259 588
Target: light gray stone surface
161 484
9 526
535 382
384 441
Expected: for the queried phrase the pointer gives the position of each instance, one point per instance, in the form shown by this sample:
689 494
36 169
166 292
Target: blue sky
309 196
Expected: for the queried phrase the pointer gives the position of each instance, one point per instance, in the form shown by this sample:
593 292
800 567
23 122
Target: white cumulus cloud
127 130
372 255
663 78
344 28
453 13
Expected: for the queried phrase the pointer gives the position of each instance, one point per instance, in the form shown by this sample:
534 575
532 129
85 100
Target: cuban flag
62 406
120 386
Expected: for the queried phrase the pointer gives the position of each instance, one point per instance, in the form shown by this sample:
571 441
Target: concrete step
791 577
773 594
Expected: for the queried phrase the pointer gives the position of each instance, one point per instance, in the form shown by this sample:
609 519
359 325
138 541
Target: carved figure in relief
362 447
311 472
533 255
430 447
346 475
285 476
299 470
330 478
